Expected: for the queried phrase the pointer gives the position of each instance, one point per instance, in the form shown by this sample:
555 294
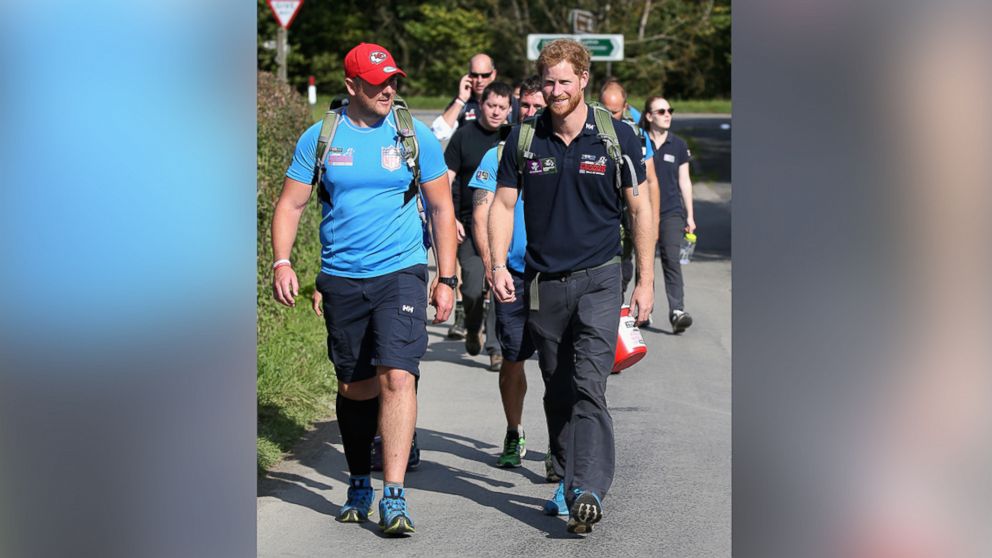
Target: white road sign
604 48
285 11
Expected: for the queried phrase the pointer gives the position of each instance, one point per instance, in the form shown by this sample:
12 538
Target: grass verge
296 383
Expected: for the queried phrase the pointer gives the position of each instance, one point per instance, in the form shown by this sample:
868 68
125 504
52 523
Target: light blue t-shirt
485 179
635 114
367 230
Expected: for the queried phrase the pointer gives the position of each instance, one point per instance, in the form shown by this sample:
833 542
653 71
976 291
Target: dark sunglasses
662 111
480 74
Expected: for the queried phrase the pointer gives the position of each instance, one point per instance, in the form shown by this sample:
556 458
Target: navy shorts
375 321
511 322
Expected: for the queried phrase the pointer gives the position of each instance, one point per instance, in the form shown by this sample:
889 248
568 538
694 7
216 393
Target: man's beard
567 109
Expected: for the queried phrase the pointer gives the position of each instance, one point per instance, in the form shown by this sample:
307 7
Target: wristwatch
449 281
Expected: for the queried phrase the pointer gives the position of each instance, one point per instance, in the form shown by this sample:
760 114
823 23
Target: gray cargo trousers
574 328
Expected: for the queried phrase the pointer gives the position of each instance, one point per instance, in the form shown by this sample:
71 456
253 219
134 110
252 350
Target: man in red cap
373 278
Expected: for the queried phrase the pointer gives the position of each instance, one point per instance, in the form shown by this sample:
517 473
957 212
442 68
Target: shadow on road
713 230
319 451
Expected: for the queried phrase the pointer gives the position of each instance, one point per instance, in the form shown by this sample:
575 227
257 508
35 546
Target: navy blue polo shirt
667 159
571 205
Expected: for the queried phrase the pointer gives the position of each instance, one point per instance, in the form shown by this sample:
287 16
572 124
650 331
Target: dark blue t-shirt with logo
572 207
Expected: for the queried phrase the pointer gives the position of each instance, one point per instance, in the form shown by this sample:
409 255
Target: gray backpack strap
408 136
332 119
526 137
608 135
411 152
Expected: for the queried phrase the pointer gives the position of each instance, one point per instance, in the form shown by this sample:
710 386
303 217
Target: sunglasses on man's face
662 111
480 74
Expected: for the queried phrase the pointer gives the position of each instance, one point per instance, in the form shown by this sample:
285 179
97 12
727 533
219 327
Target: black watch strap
449 281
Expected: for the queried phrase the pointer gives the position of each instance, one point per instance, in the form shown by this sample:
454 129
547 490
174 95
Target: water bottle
688 247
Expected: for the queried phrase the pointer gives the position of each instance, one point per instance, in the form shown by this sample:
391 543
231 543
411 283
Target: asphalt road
671 496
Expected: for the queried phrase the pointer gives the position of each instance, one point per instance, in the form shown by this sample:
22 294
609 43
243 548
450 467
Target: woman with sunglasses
671 164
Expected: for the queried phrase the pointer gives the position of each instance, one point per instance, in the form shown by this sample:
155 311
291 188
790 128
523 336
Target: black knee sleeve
358 421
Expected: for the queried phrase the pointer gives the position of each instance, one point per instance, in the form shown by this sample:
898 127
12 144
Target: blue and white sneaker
586 509
556 505
361 497
394 519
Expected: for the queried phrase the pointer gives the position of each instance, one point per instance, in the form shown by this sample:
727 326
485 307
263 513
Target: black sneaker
457 329
549 469
680 321
473 342
412 464
586 510
495 362
377 453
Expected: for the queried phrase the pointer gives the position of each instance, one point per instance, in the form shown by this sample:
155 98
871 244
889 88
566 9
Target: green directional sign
604 48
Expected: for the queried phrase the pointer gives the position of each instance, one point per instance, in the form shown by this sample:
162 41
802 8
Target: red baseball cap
370 62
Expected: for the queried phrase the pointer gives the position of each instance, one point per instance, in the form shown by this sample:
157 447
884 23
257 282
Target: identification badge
339 157
669 158
391 158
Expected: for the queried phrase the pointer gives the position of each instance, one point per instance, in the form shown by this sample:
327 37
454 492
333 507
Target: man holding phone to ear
466 106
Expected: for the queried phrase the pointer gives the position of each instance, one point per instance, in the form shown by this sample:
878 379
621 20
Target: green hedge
295 381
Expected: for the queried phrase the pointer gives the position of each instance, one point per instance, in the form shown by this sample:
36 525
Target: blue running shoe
586 510
394 519
361 497
556 505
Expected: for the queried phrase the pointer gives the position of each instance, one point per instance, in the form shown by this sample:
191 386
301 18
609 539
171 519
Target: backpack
606 132
408 143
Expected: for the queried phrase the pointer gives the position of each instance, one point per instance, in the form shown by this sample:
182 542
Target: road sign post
285 12
603 48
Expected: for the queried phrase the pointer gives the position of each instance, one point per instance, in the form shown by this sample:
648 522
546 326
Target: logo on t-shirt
391 158
590 164
482 175
470 115
548 165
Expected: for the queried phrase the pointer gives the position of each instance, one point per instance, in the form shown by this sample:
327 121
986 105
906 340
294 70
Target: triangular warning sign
285 10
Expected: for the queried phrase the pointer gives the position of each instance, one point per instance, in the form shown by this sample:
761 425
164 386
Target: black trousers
670 241
473 283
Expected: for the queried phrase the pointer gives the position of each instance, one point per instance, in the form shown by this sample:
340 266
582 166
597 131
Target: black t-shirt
668 157
571 204
472 111
463 155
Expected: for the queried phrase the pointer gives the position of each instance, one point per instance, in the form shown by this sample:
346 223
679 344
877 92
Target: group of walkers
550 203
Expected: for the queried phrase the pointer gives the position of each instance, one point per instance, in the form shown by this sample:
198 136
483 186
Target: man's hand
690 225
459 231
642 302
442 299
317 303
465 88
489 275
285 285
503 286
